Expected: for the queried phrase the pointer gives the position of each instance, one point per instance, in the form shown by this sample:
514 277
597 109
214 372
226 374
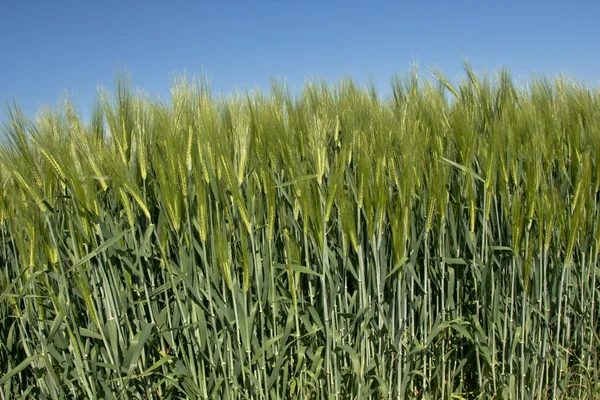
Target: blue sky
47 47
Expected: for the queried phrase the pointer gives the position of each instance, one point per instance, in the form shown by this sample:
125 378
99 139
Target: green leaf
156 365
24 364
353 358
88 333
398 265
136 347
299 268
463 168
108 243
303 178
457 261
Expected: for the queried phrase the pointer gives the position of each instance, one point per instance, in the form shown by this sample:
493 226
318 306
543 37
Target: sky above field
47 47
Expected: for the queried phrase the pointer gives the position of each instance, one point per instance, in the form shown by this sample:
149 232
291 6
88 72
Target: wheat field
441 242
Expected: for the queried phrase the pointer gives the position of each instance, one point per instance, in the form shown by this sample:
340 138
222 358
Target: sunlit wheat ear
142 139
127 208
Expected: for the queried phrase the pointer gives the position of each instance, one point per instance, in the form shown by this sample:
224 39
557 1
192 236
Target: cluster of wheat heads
440 243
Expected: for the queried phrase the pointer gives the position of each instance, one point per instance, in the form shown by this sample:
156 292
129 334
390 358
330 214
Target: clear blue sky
47 47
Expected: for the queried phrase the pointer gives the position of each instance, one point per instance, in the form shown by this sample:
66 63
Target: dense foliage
440 242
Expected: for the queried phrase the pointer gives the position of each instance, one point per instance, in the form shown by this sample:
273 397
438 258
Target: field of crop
440 243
